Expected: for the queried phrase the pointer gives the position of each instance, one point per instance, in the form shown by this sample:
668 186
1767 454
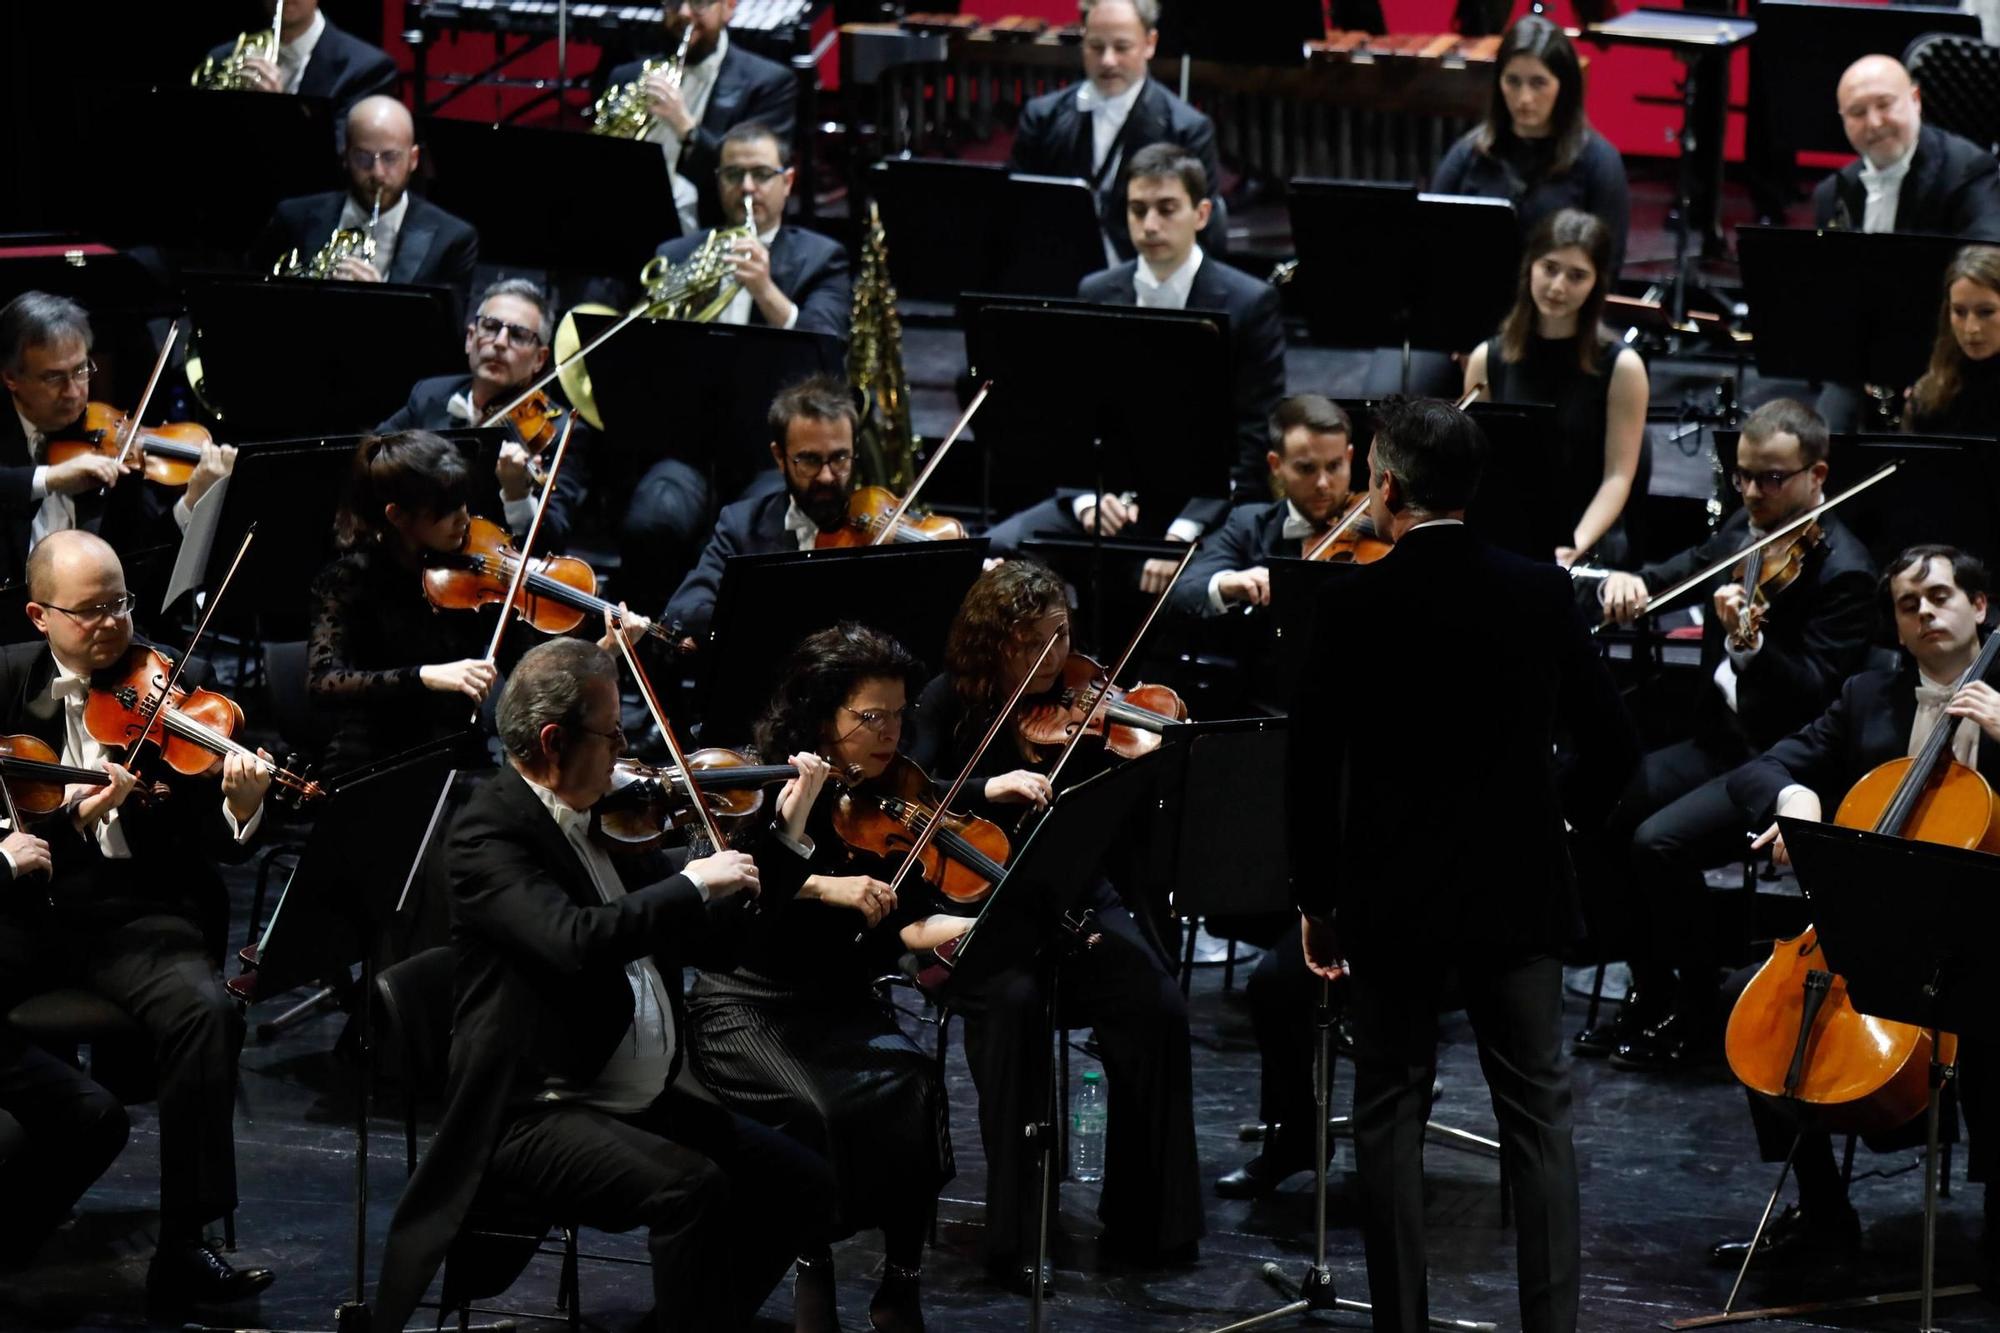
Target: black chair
1960 78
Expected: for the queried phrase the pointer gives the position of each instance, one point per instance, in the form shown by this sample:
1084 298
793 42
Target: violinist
1770 670
569 1085
317 59
1938 598
812 442
135 908
506 346
795 1035
1123 987
1311 461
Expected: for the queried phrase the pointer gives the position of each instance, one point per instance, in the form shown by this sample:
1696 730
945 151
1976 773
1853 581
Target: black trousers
58 1133
667 519
728 1203
158 969
1284 1002
1122 988
1516 1013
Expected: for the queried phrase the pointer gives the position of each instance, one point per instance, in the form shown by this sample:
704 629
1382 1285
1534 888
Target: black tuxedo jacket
1253 534
1257 354
1952 189
428 410
807 267
748 527
135 516
747 87
343 69
1816 635
539 990
433 249
1869 724
1054 139
1433 816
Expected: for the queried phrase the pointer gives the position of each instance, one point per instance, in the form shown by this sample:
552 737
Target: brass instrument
885 442
228 74
622 110
355 242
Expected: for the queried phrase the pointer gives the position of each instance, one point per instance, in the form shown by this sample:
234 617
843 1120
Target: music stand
1105 573
349 353
1515 507
101 279
1017 234
1804 46
618 205
1403 296
768 603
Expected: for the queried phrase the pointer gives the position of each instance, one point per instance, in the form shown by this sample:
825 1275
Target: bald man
316 59
1910 176
134 909
415 241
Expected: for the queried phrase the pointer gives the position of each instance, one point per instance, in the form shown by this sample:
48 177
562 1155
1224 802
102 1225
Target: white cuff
38 487
1183 530
1083 504
241 832
182 514
1740 657
791 320
801 847
1784 794
1216 606
700 884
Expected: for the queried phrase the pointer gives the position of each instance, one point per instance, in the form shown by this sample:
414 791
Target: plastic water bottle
1086 1129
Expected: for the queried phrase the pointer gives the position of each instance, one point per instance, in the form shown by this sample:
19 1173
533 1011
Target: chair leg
1944 1171
1506 1195
567 1296
1596 998
1190 929
1847 1163
1229 968
229 1228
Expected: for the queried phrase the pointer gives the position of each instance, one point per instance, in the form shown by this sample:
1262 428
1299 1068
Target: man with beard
506 346
812 440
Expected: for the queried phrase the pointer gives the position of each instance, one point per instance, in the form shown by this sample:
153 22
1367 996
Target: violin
869 512
1768 571
194 728
1346 543
166 454
556 594
645 802
1131 720
35 780
965 855
536 419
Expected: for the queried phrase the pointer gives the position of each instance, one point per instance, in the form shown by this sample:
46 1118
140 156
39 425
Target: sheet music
196 542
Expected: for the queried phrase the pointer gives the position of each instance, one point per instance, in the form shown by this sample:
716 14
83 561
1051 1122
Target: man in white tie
1939 598
316 59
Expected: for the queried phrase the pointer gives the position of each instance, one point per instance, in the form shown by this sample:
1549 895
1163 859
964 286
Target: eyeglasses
616 735
363 160
758 176
810 464
54 380
116 609
485 326
877 720
1766 481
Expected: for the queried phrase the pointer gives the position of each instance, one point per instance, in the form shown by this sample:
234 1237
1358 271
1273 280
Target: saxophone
228 74
355 242
621 111
885 442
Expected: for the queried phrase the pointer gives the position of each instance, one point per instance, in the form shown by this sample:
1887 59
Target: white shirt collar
799 524
712 62
565 817
67 684
1117 108
1170 292
1876 178
354 213
1438 523
296 55
1297 526
31 433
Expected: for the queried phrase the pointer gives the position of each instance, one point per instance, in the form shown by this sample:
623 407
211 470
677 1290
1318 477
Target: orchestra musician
812 442
415 240
1444 856
1122 986
722 86
506 347
317 59
795 1034
1938 598
1910 176
1091 130
1536 147
134 908
568 1084
1767 677
1960 393
1552 349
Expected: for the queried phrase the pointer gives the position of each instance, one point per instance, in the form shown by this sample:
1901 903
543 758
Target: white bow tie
1934 696
459 407
69 687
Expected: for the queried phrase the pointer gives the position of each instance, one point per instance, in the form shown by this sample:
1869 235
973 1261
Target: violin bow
152 710
714 830
1354 515
132 428
1124 660
1778 533
909 497
549 376
527 546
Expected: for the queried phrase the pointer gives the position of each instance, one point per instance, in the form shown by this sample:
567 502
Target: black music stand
1516 508
346 360
1804 46
102 279
1843 307
553 199
767 603
995 232
1105 573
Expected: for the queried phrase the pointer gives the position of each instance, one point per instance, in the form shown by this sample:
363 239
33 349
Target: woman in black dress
1551 350
1960 393
795 1035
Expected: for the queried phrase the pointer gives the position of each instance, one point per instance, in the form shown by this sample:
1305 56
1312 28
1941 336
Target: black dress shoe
1634 1016
197 1274
1266 1171
1826 1232
1681 1040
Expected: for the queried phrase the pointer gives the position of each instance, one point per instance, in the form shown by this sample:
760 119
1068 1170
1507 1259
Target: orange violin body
483 569
884 816
868 511
1129 719
166 454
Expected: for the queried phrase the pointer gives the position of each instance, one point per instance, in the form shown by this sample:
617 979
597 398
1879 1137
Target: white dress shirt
58 511
1297 528
697 84
294 56
1170 292
739 307
1883 185
520 514
1107 118
1932 696
354 214
801 528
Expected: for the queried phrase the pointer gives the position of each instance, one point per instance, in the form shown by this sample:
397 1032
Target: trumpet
346 242
229 73
622 110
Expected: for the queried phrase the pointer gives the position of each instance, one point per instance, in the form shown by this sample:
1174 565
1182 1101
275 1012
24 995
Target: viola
166 454
645 802
35 780
1131 720
194 728
1346 543
555 596
869 512
1767 572
963 858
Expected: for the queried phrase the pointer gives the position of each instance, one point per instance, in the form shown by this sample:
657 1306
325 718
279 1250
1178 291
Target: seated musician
316 59
1091 130
1769 673
569 1093
1122 986
506 347
45 362
1910 176
812 442
1536 147
723 86
1960 393
1551 349
795 1034
415 240
134 907
1311 462
1938 597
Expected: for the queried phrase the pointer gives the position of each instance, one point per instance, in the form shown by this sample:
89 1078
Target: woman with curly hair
1122 985
1960 393
794 1035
